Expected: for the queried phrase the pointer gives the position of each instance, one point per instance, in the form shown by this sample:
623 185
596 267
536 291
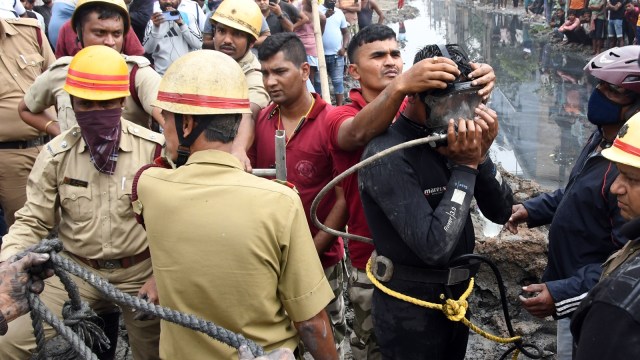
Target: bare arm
244 139
317 336
336 219
376 117
302 20
263 36
376 8
40 120
355 7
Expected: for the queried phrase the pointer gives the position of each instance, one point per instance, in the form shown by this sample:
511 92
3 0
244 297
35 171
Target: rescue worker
25 55
375 61
97 22
420 227
606 324
309 166
236 26
242 255
85 176
582 237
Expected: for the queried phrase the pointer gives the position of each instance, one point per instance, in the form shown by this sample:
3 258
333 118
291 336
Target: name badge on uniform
75 182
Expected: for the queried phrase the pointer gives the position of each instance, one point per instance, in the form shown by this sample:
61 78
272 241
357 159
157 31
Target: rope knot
455 310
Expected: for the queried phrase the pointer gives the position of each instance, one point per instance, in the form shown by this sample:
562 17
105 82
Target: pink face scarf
101 132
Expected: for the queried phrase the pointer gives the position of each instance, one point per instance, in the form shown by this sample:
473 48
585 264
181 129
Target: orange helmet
98 73
117 4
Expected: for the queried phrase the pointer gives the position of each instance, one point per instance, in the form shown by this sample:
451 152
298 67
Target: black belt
450 276
25 144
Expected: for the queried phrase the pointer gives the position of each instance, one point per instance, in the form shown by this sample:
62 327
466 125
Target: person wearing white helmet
226 245
607 324
582 237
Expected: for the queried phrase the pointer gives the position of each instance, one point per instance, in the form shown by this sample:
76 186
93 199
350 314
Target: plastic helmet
98 73
243 15
617 66
219 89
119 4
626 146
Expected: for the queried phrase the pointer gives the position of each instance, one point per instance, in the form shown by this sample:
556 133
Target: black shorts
600 32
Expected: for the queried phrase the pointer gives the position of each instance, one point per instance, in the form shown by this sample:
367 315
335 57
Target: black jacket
585 227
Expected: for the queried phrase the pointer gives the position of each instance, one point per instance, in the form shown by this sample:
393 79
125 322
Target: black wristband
3 325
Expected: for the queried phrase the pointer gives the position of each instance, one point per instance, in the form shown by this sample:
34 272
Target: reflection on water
541 95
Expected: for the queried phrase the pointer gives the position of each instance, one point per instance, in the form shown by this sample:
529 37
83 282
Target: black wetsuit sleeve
432 234
493 194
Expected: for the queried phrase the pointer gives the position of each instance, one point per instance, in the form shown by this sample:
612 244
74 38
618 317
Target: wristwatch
3 325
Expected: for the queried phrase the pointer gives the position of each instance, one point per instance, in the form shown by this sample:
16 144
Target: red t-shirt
309 163
68 44
359 252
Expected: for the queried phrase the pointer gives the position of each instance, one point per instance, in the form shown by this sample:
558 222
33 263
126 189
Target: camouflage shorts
362 338
336 309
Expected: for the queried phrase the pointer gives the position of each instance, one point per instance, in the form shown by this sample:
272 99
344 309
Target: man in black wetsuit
417 203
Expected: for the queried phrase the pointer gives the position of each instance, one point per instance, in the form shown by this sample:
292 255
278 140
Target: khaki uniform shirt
629 250
252 71
48 90
22 59
97 220
231 248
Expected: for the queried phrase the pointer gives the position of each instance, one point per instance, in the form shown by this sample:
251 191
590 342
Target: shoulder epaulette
64 142
142 132
61 62
141 61
24 21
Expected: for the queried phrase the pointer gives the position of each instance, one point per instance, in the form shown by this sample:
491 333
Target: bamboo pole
322 64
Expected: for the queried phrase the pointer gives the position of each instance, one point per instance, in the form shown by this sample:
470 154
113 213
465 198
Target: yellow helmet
204 82
98 73
626 146
119 4
243 15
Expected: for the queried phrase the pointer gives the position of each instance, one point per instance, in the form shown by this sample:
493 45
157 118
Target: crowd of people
136 146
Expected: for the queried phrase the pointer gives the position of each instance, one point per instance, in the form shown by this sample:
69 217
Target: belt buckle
457 275
110 264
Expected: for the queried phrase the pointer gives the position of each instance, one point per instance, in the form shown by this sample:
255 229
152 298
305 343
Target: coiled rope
78 314
455 310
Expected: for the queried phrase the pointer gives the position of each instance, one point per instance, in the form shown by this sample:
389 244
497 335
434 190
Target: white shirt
332 36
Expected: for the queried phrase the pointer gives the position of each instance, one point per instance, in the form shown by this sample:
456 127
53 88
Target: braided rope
454 310
110 292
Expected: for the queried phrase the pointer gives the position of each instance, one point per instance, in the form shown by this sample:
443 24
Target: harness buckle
457 275
382 267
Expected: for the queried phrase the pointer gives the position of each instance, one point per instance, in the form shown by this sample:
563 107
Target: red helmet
617 66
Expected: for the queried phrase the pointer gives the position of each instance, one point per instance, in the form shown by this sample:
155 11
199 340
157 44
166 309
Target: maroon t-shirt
359 252
309 163
68 44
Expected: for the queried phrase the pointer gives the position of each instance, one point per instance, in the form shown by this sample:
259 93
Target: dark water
541 95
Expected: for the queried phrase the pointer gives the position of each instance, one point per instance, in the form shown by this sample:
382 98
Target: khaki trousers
15 168
144 336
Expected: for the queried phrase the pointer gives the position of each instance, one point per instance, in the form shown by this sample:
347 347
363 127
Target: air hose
518 345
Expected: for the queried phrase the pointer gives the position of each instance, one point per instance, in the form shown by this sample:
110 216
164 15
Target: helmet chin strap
185 143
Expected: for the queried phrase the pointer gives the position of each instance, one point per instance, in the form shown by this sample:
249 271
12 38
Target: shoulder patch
141 61
64 142
139 131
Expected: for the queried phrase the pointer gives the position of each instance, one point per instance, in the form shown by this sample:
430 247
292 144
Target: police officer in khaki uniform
236 26
24 54
97 22
85 174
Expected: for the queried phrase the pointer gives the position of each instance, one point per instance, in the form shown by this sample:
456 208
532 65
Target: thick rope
110 292
454 310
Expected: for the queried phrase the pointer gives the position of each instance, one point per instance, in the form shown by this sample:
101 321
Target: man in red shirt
69 43
309 165
375 62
